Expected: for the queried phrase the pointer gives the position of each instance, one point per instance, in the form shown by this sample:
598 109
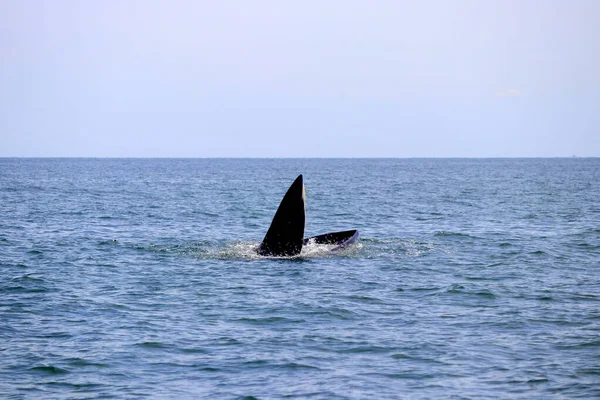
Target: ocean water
136 278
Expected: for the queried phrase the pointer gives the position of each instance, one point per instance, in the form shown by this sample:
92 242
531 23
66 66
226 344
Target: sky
311 78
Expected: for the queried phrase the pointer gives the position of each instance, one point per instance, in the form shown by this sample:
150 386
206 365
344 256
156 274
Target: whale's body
285 236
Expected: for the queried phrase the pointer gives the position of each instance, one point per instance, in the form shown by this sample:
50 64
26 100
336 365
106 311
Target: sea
138 279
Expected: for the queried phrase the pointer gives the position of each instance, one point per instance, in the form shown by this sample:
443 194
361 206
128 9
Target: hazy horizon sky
299 79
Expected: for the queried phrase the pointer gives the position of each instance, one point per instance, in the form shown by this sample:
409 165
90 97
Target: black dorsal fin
285 235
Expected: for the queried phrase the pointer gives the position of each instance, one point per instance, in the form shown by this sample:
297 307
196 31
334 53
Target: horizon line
292 158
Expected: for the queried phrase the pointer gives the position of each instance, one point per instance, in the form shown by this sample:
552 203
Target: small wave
538 252
193 350
593 343
488 294
589 371
262 363
205 213
421 359
268 320
80 362
28 278
585 246
151 345
485 278
425 289
535 381
296 366
204 368
460 289
454 234
367 349
256 363
50 369
27 284
334 313
364 299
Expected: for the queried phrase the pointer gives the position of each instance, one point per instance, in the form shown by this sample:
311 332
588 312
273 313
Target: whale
285 236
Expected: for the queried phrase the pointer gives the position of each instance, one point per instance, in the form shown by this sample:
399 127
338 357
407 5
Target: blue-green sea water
137 278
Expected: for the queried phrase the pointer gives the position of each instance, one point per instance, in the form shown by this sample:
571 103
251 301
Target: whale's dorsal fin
285 235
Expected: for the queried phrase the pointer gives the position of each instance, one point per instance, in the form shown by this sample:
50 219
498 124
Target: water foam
248 251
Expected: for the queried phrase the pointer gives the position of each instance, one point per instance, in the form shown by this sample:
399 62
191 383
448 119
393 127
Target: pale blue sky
337 78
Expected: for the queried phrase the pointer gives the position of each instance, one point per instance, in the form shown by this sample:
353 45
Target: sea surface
137 278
